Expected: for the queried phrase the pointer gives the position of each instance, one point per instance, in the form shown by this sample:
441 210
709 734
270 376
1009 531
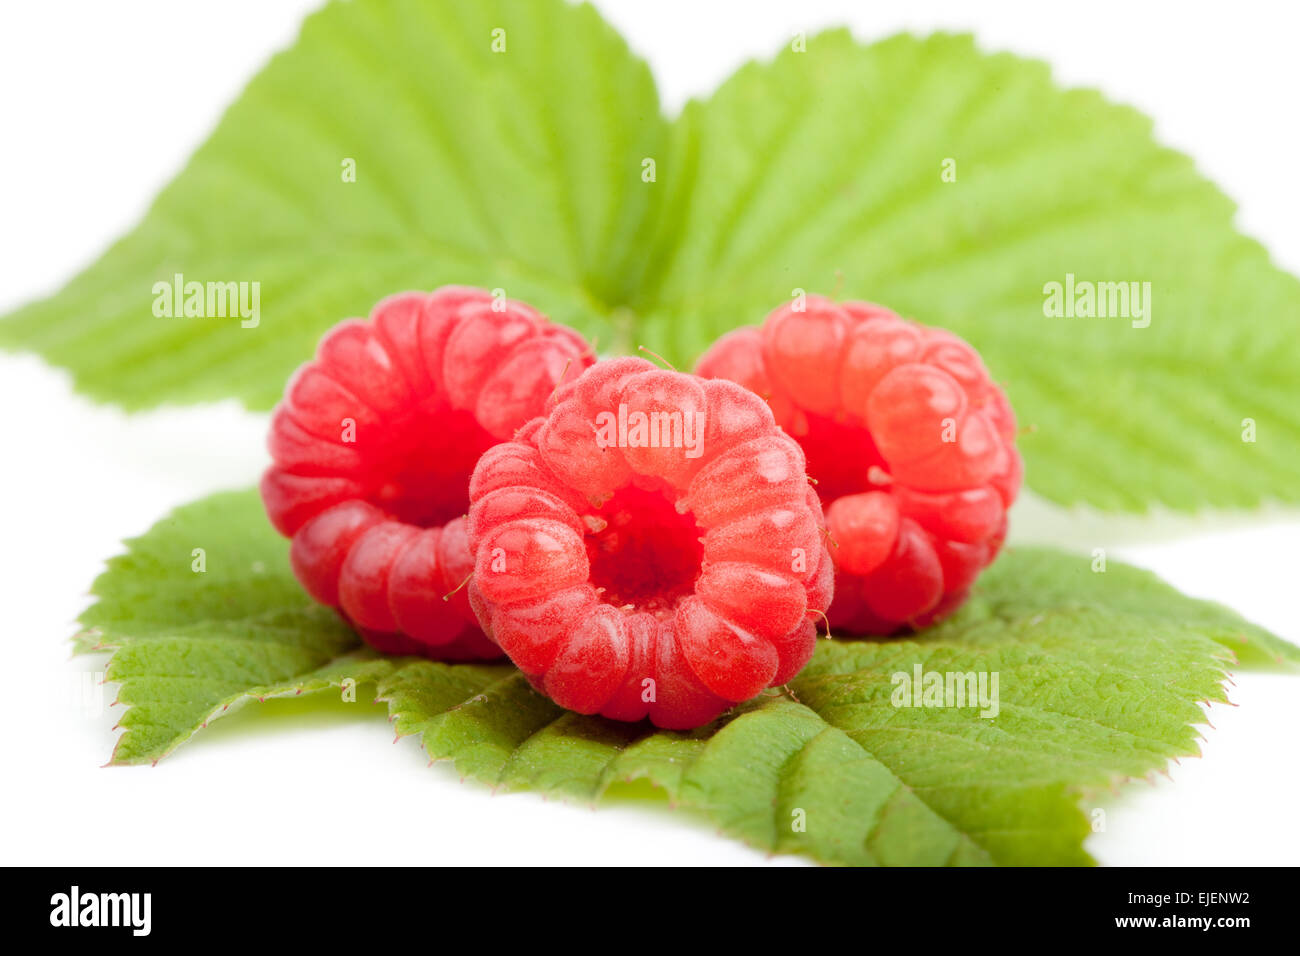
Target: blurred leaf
518 169
821 170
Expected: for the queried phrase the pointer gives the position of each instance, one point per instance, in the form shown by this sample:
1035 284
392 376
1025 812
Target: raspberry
911 443
373 447
650 548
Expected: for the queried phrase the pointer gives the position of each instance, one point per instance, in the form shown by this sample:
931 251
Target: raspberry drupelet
911 443
650 548
372 450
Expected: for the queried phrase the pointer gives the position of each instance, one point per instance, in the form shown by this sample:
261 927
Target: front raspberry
373 447
911 443
651 548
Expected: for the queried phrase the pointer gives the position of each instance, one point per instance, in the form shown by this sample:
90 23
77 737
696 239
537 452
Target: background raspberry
373 446
912 446
600 569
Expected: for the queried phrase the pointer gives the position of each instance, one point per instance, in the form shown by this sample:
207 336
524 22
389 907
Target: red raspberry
632 572
911 443
373 447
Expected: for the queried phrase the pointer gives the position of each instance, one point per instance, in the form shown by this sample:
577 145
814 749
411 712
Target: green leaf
518 169
1057 582
748 773
1099 679
819 170
1091 693
822 171
189 644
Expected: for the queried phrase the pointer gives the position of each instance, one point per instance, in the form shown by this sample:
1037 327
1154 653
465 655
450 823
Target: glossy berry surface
372 450
911 443
650 548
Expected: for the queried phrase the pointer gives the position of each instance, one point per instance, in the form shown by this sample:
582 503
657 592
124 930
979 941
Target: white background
100 104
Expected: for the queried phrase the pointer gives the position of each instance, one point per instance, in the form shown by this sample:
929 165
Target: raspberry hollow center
647 555
420 474
841 456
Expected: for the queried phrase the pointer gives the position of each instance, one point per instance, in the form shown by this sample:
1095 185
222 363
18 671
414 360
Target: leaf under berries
1100 678
1059 583
1087 697
202 613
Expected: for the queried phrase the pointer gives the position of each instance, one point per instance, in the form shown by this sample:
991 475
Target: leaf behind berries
822 170
827 171
507 160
